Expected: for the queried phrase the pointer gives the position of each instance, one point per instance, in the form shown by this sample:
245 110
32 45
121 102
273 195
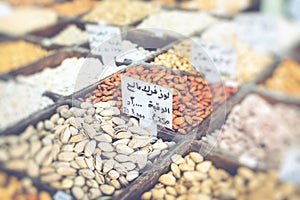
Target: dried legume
73 8
197 179
16 54
13 188
120 13
88 151
285 78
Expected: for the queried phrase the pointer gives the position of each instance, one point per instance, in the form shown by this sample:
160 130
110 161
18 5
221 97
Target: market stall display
17 54
72 8
138 99
285 78
35 18
120 13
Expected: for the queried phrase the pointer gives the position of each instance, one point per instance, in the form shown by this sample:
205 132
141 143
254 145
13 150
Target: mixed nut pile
88 151
192 178
259 130
13 188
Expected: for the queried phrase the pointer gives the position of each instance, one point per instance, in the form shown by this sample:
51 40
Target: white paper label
62 196
260 32
105 41
202 61
149 125
147 101
224 57
290 168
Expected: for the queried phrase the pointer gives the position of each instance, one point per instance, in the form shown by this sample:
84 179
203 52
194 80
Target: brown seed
178 120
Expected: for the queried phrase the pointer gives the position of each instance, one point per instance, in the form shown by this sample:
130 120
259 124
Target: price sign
224 57
147 101
260 32
202 61
105 41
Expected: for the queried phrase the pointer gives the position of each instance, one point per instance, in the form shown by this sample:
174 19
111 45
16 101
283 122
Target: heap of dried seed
88 152
13 188
192 98
193 178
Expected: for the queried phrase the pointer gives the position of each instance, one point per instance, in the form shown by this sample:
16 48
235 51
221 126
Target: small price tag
202 61
290 168
61 196
147 101
105 41
260 32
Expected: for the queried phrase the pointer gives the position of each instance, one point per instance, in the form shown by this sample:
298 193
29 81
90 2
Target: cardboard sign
147 101
105 41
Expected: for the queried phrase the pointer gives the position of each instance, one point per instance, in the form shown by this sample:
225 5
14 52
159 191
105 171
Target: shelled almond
192 99
195 178
89 151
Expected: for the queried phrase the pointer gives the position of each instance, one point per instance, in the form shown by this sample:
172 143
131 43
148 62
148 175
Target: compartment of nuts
12 187
66 33
258 130
120 13
193 99
88 151
194 177
16 54
284 78
67 69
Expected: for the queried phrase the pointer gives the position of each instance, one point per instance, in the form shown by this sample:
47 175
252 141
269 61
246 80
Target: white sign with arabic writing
147 101
105 41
